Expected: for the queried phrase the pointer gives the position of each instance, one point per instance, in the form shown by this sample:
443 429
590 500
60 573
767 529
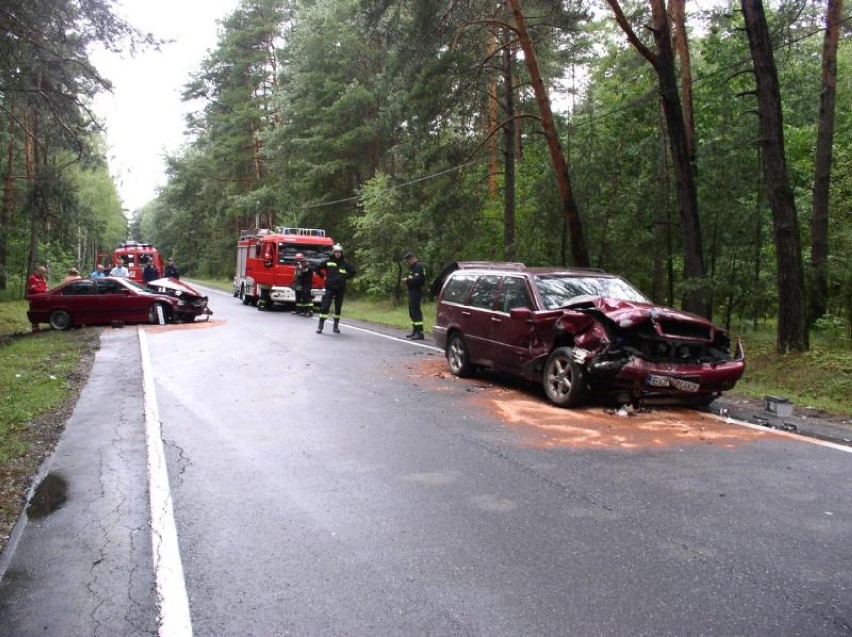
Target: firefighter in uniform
414 282
336 272
302 283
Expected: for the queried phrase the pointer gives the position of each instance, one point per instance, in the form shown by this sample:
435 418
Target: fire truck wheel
243 296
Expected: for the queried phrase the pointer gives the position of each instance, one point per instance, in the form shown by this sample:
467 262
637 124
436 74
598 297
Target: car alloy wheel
564 379
457 357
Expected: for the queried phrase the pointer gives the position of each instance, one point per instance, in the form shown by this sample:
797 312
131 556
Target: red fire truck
136 256
266 261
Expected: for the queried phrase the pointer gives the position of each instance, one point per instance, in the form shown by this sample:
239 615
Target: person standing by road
73 275
119 269
36 284
414 282
302 283
37 281
336 272
171 271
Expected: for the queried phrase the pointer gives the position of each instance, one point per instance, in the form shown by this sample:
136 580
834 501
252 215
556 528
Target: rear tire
564 379
457 357
60 320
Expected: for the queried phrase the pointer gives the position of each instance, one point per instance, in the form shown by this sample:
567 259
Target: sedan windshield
558 291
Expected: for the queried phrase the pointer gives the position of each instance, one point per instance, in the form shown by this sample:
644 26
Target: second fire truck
266 261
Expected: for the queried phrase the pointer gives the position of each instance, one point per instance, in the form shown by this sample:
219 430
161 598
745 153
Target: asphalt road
348 485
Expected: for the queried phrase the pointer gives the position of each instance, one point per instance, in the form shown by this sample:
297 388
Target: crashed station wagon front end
645 352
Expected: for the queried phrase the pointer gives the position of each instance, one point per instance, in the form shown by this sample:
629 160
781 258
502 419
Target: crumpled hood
175 285
629 313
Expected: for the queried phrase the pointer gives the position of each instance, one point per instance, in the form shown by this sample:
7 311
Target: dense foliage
414 125
60 207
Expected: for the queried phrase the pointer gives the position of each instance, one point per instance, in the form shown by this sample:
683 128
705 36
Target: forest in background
701 151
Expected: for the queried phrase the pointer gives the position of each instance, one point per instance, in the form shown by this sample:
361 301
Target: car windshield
558 290
134 284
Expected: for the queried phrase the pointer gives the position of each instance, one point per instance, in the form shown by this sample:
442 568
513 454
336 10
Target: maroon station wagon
580 333
101 301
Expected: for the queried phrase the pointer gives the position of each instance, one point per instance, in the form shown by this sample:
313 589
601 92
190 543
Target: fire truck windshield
287 252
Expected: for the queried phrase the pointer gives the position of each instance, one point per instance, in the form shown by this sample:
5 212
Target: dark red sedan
103 301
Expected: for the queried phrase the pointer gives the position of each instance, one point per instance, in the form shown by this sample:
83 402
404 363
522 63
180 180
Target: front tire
243 296
564 379
457 357
154 315
60 320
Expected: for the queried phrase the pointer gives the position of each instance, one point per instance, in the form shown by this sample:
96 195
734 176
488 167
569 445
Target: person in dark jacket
150 273
171 270
414 282
336 272
303 283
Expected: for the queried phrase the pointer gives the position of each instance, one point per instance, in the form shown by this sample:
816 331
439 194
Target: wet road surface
348 485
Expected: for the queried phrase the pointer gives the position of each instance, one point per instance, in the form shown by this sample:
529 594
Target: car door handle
465 313
496 319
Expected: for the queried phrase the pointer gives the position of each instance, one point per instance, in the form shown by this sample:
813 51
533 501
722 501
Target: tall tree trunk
662 289
681 47
509 251
822 162
8 204
792 330
696 298
579 250
492 110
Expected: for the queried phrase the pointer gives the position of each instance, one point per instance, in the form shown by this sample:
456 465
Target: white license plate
655 380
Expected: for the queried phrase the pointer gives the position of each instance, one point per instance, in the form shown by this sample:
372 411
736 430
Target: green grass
34 375
13 318
819 378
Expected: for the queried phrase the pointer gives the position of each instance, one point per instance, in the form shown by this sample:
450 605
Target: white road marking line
174 618
785 434
392 338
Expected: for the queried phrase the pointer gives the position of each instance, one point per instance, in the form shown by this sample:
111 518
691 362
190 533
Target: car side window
514 294
458 288
79 287
485 291
107 286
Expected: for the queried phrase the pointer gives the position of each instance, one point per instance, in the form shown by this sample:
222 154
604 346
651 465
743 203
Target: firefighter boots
416 333
321 323
337 326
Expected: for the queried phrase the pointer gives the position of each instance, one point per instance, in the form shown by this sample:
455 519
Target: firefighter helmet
337 248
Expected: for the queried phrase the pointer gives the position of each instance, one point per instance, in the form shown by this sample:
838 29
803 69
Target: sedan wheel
60 320
457 357
564 379
157 311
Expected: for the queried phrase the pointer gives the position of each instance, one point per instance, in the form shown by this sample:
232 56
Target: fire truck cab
136 256
266 263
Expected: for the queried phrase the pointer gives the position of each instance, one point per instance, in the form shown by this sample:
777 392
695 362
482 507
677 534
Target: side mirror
520 314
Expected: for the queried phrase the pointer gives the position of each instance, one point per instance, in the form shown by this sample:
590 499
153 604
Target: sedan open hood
175 285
